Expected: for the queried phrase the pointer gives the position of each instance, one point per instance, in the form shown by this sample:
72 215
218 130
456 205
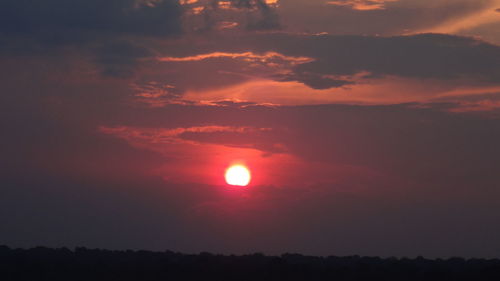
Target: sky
370 127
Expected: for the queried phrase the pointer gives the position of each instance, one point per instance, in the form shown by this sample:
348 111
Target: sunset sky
369 127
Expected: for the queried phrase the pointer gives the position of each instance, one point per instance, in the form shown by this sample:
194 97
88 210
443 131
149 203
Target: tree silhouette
94 264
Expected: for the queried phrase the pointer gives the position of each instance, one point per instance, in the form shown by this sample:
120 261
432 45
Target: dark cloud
104 31
313 80
120 59
59 21
269 17
333 58
253 14
420 56
81 28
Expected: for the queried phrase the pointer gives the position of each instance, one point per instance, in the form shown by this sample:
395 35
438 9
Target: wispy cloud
362 5
249 56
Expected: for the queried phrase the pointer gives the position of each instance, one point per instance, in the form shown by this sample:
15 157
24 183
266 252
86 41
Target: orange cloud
250 56
188 2
205 163
154 94
362 5
227 25
162 135
385 91
172 136
487 15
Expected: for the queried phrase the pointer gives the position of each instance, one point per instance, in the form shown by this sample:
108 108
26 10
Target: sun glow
238 175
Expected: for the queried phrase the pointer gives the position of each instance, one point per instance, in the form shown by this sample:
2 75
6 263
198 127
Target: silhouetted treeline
96 265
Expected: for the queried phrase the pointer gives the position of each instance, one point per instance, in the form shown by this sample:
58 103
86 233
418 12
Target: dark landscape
94 264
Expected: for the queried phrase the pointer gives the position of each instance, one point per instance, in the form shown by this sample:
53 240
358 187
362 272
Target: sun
238 175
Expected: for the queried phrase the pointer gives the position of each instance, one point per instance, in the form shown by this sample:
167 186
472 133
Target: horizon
77 249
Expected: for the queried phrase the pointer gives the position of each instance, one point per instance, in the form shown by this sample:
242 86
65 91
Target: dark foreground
95 265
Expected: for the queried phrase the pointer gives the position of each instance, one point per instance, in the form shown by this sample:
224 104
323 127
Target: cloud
405 141
249 56
329 61
313 80
88 29
386 18
155 94
254 15
268 20
59 21
154 138
484 16
318 61
423 56
159 135
362 5
106 32
120 59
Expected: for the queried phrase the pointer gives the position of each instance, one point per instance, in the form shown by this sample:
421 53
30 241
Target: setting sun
238 175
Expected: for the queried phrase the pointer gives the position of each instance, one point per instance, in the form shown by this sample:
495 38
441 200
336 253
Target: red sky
370 127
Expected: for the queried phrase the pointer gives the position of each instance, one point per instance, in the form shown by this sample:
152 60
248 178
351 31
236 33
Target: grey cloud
60 20
258 14
313 80
92 28
420 56
269 17
88 28
120 59
423 56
